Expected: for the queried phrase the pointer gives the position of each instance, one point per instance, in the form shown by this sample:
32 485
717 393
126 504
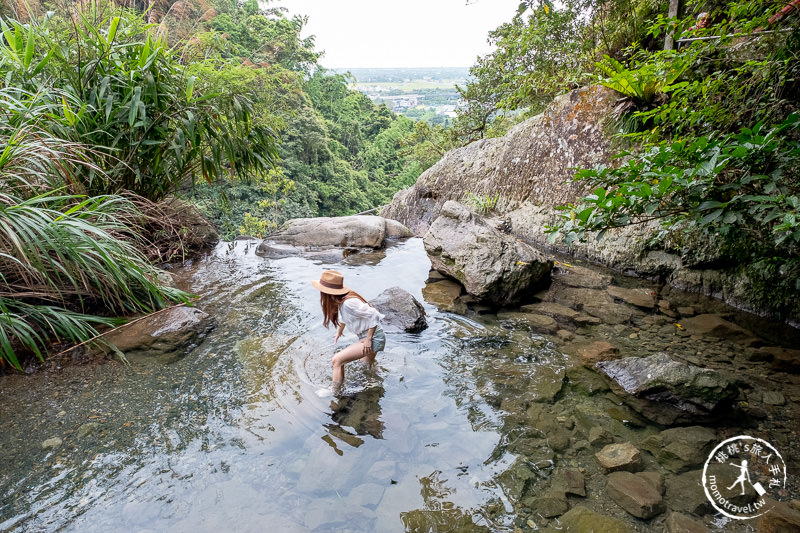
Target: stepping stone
616 457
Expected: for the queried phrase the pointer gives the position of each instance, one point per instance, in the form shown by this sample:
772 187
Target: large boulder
669 392
534 162
493 267
302 235
166 336
401 310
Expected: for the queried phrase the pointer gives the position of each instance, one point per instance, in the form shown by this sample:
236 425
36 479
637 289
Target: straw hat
331 282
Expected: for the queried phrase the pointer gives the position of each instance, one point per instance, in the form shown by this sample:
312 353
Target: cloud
401 33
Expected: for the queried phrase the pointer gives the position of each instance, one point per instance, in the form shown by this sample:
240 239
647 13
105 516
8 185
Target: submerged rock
445 295
312 235
715 326
680 449
670 392
570 481
680 523
553 503
580 277
401 310
636 494
560 313
597 351
166 336
494 267
582 520
637 297
53 442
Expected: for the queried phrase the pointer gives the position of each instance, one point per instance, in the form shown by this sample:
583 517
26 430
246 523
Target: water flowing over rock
166 336
401 309
670 392
313 235
492 266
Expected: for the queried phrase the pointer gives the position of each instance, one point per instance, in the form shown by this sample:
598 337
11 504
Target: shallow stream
438 437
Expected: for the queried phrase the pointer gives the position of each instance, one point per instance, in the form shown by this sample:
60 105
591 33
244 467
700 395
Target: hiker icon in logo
757 471
743 474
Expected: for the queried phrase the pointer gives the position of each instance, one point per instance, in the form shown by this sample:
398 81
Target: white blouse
358 316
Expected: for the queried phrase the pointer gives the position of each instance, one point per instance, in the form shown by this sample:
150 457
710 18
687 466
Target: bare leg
351 353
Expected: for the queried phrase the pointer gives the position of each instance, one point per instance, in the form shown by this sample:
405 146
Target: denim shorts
378 339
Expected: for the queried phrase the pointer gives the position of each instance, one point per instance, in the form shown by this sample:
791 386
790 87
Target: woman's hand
367 342
336 337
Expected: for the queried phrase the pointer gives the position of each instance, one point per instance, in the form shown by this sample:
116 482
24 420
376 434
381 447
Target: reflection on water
462 427
356 414
234 434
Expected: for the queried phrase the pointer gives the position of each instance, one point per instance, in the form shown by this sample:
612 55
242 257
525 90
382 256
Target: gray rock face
670 392
166 336
493 267
302 235
532 162
401 309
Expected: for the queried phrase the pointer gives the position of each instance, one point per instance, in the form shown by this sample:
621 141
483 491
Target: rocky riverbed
488 420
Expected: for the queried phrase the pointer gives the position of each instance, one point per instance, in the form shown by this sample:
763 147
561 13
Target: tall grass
109 83
63 256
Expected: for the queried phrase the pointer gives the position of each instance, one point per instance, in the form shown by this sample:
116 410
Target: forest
108 110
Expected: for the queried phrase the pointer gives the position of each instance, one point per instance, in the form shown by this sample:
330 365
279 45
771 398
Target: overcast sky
401 33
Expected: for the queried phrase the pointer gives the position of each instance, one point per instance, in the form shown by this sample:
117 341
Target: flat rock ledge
314 236
166 336
670 392
494 267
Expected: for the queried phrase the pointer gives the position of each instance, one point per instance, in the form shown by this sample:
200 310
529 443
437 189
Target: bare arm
338 333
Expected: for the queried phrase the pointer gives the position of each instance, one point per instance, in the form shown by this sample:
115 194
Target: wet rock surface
635 493
493 267
697 372
658 384
166 336
616 457
401 310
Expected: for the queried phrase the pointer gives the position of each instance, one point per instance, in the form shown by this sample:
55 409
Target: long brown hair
330 306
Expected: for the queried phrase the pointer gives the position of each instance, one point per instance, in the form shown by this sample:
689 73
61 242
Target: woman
343 307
